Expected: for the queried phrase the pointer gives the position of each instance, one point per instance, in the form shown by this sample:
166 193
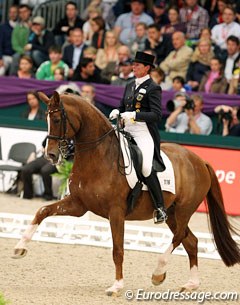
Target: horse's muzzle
52 157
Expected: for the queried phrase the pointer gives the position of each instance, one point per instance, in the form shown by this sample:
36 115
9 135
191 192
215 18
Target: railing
52 11
4 7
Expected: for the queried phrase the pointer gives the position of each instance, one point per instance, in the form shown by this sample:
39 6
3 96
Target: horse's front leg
116 217
66 206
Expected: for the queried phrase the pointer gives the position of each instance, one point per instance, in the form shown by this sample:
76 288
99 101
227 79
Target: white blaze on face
48 124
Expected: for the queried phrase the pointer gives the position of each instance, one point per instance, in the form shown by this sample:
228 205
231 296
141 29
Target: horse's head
60 127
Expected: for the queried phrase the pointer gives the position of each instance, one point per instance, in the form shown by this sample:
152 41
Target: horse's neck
94 138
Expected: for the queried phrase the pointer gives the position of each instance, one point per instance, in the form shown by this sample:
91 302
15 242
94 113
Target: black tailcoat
146 101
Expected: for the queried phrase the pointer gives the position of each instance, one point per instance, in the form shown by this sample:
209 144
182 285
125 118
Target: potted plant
3 301
63 174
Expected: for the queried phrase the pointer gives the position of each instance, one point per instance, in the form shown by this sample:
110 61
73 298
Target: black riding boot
155 190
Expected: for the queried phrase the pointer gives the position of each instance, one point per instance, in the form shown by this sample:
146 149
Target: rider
140 109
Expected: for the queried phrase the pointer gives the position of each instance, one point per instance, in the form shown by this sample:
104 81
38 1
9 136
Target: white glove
128 116
114 114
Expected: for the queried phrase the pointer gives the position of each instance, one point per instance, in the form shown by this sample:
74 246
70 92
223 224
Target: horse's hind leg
182 234
190 244
117 217
65 206
159 273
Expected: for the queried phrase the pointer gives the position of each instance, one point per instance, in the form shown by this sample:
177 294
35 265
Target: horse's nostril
51 156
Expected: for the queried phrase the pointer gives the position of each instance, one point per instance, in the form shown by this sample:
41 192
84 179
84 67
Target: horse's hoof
19 253
158 279
113 293
116 289
189 287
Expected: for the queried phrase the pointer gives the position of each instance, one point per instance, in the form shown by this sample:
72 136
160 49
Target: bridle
63 140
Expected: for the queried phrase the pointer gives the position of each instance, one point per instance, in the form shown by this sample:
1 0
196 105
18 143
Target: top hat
144 58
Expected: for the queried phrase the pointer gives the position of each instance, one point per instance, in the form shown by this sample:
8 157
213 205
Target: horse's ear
56 98
43 97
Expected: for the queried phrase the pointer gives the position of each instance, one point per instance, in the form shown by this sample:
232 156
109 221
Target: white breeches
144 140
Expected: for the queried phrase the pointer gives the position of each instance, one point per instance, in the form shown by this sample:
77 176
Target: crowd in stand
195 43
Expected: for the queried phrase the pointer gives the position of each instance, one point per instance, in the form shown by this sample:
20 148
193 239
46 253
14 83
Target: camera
189 104
225 115
173 104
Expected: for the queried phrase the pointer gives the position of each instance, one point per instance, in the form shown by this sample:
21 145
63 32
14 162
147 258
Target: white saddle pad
166 178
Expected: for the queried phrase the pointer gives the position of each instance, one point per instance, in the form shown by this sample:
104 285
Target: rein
63 141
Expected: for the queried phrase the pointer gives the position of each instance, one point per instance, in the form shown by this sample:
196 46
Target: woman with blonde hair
200 63
110 51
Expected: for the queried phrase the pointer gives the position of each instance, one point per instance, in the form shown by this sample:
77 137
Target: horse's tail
221 228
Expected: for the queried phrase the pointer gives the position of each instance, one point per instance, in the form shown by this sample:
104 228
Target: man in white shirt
222 31
188 117
233 57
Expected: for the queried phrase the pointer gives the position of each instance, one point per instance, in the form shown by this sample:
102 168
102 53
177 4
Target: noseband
63 140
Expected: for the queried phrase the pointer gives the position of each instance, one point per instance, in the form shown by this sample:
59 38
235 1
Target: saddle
137 159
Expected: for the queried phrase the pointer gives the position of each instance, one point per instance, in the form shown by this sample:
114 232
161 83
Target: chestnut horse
96 185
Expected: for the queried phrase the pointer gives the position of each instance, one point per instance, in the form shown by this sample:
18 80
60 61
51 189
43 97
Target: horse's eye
56 121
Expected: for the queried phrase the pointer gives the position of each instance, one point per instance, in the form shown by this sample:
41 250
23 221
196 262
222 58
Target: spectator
206 34
200 63
229 117
233 57
221 32
71 20
39 41
195 17
178 84
214 80
25 69
110 51
47 68
217 18
88 92
185 119
126 74
59 74
38 166
176 63
234 86
99 31
73 53
6 50
157 43
158 13
158 76
34 111
174 24
20 36
112 68
86 72
138 44
126 23
92 12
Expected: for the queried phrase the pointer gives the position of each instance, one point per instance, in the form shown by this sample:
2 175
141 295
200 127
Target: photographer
229 118
187 116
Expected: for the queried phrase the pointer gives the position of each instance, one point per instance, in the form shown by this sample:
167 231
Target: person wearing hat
125 74
39 41
140 109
